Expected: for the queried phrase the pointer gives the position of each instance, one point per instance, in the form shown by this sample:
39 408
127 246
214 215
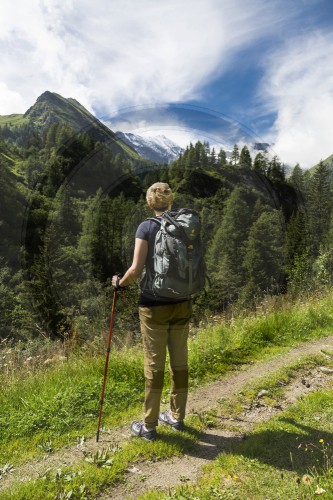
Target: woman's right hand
115 281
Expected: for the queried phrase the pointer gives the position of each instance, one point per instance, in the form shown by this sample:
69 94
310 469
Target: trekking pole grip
117 286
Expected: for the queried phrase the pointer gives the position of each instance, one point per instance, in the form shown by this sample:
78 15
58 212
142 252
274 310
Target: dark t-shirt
147 230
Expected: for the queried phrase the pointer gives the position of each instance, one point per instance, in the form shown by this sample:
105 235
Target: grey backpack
179 267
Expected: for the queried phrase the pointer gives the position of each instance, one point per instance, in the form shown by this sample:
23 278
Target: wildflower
306 479
321 441
319 491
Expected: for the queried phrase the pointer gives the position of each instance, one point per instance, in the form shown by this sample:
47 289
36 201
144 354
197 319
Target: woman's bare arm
134 272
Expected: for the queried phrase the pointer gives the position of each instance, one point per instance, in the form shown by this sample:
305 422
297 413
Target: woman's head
159 196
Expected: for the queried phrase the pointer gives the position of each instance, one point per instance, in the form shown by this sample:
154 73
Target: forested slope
72 196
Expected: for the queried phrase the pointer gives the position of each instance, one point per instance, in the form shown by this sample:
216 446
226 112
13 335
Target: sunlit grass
289 456
44 407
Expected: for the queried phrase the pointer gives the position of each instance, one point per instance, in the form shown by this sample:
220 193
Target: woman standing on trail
164 324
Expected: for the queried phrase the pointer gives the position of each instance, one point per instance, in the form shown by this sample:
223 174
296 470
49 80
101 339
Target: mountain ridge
51 108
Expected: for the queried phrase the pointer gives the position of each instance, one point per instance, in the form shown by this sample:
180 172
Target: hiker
164 324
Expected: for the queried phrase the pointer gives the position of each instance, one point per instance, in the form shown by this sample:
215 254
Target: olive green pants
165 327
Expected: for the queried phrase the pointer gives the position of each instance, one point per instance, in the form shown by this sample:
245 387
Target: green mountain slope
51 108
13 199
328 161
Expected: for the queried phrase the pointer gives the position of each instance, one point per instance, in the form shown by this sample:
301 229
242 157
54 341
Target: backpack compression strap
189 248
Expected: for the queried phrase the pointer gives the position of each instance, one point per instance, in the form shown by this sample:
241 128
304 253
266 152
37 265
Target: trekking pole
107 360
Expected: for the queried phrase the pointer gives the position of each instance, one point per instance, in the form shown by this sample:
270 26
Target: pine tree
226 253
245 160
107 236
177 169
222 158
212 158
319 205
323 266
234 158
201 155
164 174
265 255
260 163
64 217
7 300
275 171
297 180
297 239
63 259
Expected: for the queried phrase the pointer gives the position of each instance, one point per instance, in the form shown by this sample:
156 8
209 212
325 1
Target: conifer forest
72 195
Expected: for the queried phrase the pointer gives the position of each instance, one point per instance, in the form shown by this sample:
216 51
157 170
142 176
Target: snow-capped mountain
260 146
159 149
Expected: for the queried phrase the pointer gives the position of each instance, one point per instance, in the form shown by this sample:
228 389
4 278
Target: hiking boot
165 417
138 429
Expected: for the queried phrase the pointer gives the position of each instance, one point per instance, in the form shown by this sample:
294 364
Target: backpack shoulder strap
171 217
155 219
172 220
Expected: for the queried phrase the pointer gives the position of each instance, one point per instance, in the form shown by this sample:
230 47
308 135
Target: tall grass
276 326
57 402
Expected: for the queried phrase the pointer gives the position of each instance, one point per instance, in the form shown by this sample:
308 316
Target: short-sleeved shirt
147 230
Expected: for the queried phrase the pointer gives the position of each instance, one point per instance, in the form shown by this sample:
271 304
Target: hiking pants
165 327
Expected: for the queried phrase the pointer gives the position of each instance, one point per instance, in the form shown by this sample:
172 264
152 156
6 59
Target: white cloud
299 87
39 52
181 123
9 100
158 122
113 54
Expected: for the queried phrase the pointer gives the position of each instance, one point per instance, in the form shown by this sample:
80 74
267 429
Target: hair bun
160 196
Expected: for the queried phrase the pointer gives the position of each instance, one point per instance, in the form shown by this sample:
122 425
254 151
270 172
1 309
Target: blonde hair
159 196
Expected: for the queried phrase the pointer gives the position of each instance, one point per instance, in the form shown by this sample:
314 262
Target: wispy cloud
114 54
299 87
183 123
38 52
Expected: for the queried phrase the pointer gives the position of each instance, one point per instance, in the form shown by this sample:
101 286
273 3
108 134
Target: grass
44 407
273 385
7 157
289 456
270 331
14 119
102 469
58 404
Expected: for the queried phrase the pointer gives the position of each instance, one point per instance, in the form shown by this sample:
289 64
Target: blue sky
187 68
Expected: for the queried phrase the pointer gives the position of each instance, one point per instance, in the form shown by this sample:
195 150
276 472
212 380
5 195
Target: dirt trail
172 472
